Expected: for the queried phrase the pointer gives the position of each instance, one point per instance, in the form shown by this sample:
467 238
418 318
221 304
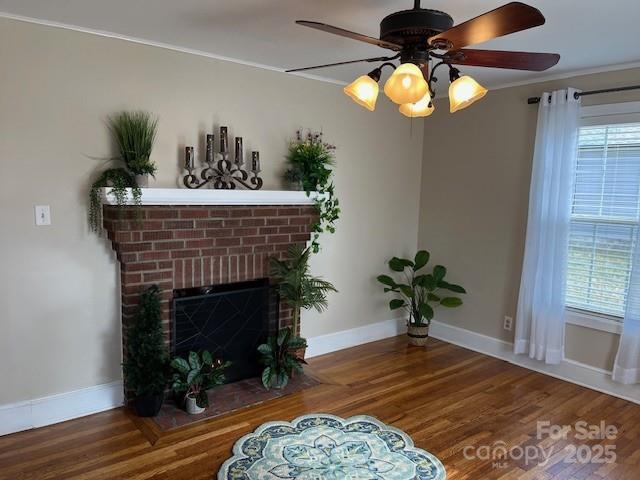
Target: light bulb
364 91
422 108
406 85
464 91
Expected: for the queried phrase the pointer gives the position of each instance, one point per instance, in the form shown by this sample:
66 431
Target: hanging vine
311 162
119 179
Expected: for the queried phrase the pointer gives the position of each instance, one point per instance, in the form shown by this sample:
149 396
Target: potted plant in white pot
419 293
194 376
135 134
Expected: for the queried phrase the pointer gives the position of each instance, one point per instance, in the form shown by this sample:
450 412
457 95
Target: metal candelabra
223 173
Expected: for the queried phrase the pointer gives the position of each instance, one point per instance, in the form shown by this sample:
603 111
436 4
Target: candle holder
222 173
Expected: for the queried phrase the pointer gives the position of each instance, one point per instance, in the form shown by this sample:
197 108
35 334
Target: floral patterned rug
326 447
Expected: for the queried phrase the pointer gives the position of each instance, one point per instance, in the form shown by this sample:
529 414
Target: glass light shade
463 92
422 108
364 91
406 85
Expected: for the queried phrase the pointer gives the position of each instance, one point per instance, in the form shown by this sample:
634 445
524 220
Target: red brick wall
186 246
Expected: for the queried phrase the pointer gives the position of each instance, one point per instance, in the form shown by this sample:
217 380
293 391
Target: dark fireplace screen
228 320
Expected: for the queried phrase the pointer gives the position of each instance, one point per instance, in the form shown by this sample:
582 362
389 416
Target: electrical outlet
508 323
43 215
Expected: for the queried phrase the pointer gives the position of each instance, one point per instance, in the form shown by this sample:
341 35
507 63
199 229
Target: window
605 215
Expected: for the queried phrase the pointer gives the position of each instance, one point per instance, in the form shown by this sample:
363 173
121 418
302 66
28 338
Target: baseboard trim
79 403
332 342
569 370
52 409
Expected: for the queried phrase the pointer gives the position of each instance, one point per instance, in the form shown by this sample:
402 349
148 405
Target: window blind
605 214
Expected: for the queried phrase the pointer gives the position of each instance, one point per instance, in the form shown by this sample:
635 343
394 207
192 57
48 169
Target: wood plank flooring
450 400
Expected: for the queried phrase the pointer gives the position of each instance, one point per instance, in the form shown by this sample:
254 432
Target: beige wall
58 284
475 188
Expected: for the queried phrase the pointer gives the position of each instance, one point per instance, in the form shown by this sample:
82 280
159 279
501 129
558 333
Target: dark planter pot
299 353
149 405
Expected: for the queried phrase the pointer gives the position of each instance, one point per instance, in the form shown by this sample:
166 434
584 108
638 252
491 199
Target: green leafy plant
310 164
279 358
135 133
196 374
119 179
420 293
145 367
297 286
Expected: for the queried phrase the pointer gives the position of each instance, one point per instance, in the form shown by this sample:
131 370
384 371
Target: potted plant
298 287
194 376
145 367
419 294
310 161
134 133
279 358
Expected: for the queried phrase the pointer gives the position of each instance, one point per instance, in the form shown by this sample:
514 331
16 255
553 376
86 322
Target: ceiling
587 33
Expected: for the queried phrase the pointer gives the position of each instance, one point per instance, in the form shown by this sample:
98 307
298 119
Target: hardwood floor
450 400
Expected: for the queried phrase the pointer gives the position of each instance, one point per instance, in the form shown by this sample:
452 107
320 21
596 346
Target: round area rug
326 447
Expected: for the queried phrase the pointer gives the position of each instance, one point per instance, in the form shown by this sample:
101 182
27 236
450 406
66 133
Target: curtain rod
577 95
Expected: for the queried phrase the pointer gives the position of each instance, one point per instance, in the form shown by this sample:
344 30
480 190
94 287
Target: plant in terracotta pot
195 375
145 367
279 358
420 293
298 287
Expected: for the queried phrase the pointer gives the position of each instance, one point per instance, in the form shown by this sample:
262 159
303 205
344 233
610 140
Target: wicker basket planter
418 336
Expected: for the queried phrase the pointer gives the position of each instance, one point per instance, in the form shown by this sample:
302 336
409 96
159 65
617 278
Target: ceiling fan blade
349 34
375 59
510 18
536 62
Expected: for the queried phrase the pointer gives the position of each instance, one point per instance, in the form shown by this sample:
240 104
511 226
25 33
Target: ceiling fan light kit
406 84
463 91
364 91
421 108
419 37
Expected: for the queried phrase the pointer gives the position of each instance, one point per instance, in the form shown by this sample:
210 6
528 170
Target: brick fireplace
227 237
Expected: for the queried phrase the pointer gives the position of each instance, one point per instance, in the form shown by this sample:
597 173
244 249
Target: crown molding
165 46
320 78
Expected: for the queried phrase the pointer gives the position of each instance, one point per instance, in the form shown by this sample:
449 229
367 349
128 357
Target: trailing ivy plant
310 164
119 179
134 133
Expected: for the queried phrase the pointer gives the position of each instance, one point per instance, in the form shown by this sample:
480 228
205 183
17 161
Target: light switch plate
43 215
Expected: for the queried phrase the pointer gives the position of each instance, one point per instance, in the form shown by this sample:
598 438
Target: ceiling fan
425 39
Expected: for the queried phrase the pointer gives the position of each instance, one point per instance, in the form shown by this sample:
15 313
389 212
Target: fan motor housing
409 27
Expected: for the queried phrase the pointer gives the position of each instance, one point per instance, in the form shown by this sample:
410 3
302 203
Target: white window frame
627 112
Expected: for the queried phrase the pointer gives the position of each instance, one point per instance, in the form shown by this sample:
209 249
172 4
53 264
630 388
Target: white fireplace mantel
204 196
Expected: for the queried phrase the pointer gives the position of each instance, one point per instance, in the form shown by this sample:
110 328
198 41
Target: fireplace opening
229 320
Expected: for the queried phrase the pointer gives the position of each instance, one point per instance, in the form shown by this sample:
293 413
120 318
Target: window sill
593 321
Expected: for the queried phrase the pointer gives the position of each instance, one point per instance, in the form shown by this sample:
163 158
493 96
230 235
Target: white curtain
626 368
541 303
